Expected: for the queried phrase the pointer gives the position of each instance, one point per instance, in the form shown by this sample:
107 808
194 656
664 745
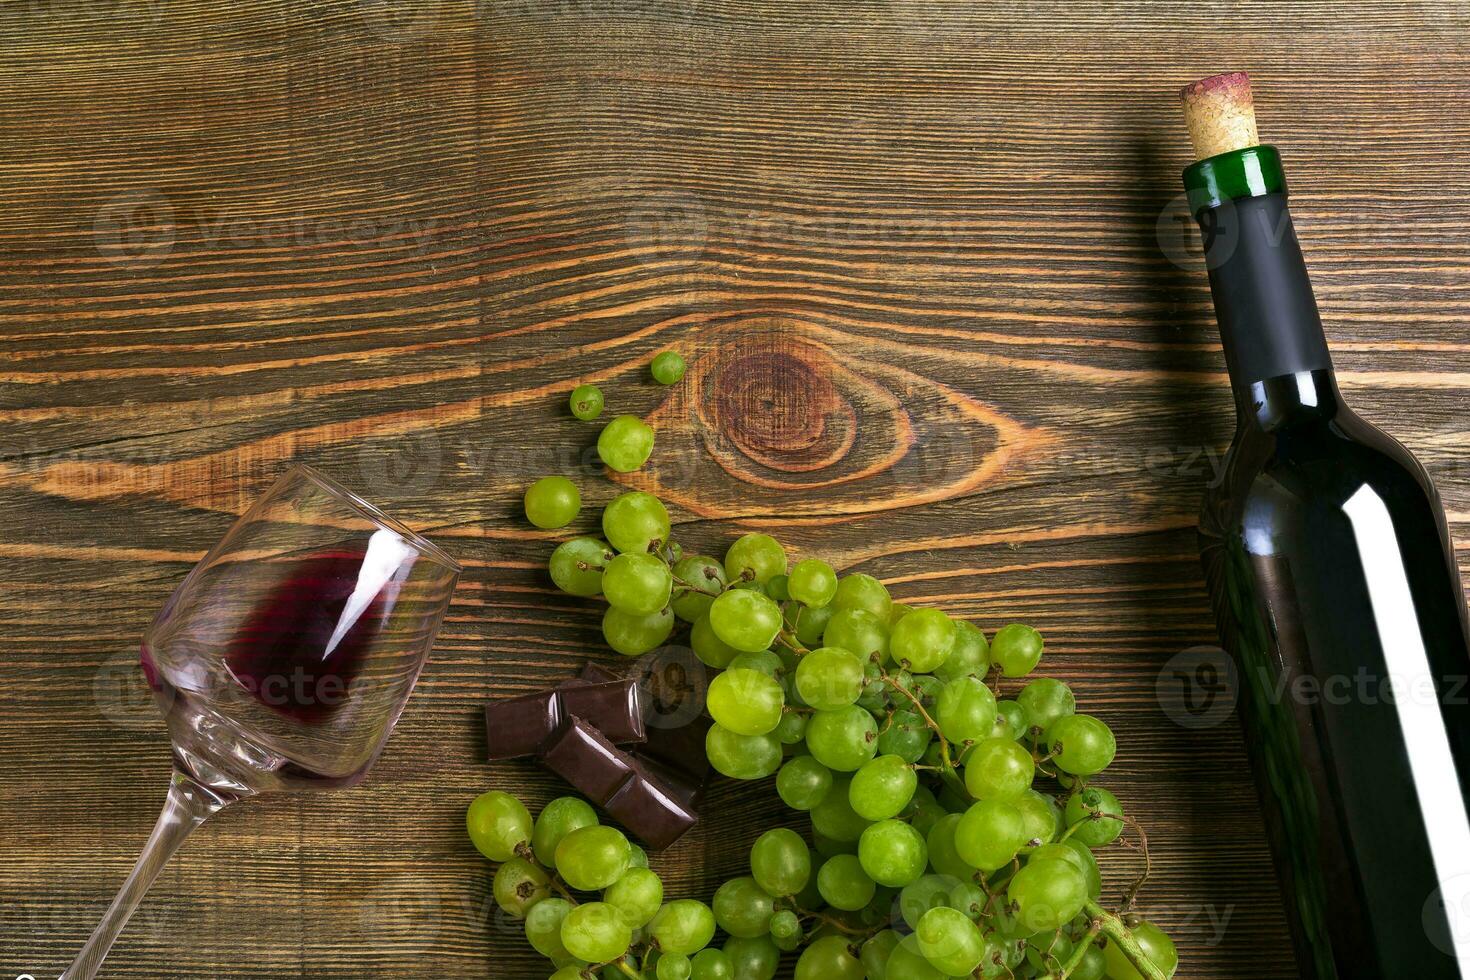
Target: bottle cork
1221 114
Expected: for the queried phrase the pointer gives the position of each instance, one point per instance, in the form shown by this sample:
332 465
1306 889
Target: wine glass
283 661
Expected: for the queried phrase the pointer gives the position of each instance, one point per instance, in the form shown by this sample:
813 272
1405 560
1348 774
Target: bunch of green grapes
954 814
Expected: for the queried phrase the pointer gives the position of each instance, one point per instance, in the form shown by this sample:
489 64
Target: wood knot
773 400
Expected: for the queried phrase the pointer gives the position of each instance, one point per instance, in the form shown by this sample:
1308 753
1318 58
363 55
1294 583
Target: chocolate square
517 727
591 763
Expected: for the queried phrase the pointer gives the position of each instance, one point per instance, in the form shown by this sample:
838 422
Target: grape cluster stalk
954 817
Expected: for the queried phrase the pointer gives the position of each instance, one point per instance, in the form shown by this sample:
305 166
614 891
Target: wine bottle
1338 597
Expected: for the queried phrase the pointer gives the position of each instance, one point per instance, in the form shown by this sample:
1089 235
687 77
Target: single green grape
906 735
785 925
1046 700
922 640
989 834
803 782
742 756
858 631
792 730
638 894
708 646
673 966
842 740
907 962
810 622
753 959
596 933
876 952
683 927
970 655
1081 745
712 964
924 812
1010 720
698 580
633 635
969 898
745 619
576 565
570 972
592 858
829 958
543 927
1017 649
781 863
1042 815
586 402
498 824
1078 855
756 558
552 502
743 908
639 858
834 817
950 941
844 884
1094 966
1089 805
747 702
860 591
779 588
1157 947
812 582
638 584
1048 950
965 710
519 885
1047 893
882 788
918 897
636 522
558 818
668 368
830 678
625 443
944 857
768 662
999 769
893 853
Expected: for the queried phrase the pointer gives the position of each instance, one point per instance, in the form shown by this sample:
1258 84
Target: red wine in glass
283 661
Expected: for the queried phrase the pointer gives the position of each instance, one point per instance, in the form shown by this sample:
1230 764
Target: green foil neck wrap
1252 172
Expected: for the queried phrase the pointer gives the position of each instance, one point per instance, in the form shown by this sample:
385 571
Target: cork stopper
1221 114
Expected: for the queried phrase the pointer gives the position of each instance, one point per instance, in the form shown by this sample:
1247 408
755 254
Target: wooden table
926 259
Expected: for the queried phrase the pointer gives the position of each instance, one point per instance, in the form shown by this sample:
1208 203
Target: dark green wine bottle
1338 596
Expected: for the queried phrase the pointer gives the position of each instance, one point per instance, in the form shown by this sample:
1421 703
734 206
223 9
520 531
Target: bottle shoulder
1317 468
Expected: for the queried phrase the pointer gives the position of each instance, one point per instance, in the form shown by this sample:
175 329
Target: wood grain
928 265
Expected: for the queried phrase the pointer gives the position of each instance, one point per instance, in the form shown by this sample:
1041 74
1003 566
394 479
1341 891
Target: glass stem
189 804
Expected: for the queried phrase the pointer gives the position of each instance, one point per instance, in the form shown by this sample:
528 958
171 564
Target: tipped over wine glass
283 661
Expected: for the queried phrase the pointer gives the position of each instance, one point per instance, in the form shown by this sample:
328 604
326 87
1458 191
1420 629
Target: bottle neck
1288 399
1269 324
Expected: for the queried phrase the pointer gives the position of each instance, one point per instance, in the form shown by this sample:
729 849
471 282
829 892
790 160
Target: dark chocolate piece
680 787
648 809
581 756
594 674
614 708
521 726
681 748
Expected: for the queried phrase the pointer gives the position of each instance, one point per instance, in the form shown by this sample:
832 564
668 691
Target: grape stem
1130 896
1119 933
837 924
627 970
1079 952
946 756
